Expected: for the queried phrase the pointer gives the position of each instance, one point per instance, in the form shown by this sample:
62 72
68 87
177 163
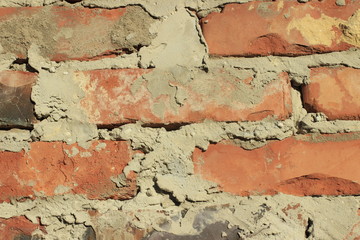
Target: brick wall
179 119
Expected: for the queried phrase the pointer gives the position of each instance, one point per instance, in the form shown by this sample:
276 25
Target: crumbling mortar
67 217
200 34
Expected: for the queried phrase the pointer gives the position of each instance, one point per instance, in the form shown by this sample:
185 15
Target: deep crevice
309 231
73 1
121 6
14 126
293 55
112 126
160 191
168 127
23 61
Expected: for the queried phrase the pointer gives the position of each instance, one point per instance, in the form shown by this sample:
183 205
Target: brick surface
16 108
64 33
282 28
320 166
17 228
333 91
54 168
122 96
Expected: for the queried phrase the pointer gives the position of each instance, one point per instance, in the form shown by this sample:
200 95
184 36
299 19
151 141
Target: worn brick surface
18 228
63 33
16 108
54 168
333 91
282 28
122 96
322 166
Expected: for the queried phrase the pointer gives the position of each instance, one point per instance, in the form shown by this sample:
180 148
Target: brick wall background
189 119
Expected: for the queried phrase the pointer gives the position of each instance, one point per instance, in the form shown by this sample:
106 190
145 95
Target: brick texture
16 108
282 28
333 91
64 33
291 166
171 79
110 98
54 168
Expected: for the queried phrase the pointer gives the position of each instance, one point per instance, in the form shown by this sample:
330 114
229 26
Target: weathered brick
54 168
126 95
282 28
333 91
16 108
63 33
325 165
18 228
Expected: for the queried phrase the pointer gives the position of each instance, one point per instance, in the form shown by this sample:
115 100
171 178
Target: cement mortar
18 33
62 119
131 32
317 123
14 140
177 43
262 217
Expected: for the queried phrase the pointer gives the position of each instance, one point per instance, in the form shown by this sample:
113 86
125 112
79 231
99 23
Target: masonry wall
156 119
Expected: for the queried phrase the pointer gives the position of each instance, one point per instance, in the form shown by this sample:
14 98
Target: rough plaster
277 217
167 186
14 140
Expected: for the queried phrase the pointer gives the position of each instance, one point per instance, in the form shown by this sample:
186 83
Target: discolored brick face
291 166
16 108
63 33
54 168
128 95
18 228
282 28
333 91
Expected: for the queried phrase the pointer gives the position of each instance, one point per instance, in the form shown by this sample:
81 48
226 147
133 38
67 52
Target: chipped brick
54 168
324 166
282 28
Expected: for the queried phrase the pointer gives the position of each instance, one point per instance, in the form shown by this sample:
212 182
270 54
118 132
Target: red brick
291 166
16 108
64 33
17 228
282 28
333 91
109 99
50 169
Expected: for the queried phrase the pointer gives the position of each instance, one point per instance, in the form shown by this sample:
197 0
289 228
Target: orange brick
291 166
110 100
54 168
333 91
281 28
